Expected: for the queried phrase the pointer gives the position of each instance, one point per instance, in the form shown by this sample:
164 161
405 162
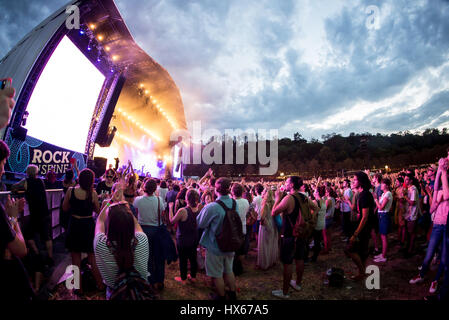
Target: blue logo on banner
21 155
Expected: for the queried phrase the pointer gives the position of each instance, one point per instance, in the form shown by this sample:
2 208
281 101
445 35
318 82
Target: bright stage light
137 124
109 153
131 142
63 101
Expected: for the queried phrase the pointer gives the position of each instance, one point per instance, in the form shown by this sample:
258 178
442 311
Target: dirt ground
255 284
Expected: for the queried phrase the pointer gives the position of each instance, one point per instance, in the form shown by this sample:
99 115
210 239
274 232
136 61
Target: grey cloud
432 109
189 38
19 17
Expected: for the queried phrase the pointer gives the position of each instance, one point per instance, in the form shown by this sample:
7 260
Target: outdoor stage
89 93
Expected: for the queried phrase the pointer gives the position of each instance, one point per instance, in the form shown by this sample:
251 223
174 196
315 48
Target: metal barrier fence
54 197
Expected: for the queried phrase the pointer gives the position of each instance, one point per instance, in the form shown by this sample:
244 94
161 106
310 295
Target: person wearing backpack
298 222
120 245
212 220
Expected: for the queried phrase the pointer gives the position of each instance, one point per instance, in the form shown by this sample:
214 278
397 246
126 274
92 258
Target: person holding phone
120 243
15 284
74 168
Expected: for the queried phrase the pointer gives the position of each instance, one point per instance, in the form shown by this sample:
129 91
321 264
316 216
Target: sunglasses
109 176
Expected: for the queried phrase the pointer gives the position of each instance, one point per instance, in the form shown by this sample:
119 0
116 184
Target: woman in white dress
267 244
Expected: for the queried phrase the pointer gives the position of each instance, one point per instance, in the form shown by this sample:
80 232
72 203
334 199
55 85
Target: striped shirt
106 262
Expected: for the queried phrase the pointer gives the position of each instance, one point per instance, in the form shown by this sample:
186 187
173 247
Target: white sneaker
378 256
294 285
416 280
280 294
380 259
433 287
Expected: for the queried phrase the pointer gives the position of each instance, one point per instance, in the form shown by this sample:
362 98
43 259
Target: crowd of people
130 227
125 222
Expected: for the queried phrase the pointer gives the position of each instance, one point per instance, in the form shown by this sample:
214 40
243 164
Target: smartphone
5 83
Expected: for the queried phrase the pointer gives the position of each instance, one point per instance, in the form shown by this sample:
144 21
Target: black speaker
91 166
105 133
19 133
111 134
100 166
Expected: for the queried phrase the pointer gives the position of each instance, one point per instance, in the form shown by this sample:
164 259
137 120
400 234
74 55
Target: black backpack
336 277
231 237
87 277
131 286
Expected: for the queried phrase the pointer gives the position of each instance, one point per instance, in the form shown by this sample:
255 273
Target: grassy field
255 284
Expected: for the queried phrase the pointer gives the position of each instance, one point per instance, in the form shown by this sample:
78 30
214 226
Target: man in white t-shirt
242 209
411 211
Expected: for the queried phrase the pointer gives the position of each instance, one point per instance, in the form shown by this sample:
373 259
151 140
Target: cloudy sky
315 67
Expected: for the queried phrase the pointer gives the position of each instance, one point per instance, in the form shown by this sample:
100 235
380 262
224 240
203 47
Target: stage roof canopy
150 101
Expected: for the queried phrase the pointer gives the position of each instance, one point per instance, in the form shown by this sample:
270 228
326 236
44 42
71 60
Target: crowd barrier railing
54 198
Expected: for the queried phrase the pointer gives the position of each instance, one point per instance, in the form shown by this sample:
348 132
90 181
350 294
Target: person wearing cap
218 264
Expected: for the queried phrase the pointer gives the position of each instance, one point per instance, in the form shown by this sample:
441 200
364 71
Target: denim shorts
384 223
217 265
329 222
